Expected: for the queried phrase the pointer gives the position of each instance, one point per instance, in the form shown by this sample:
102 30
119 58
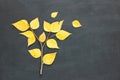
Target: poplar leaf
42 37
35 53
49 58
52 43
76 24
54 14
21 25
34 24
56 26
31 38
47 27
62 34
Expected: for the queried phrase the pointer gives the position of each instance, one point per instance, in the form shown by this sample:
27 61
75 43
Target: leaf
62 34
42 37
35 53
54 14
49 58
47 27
52 43
76 24
34 24
31 38
21 25
56 26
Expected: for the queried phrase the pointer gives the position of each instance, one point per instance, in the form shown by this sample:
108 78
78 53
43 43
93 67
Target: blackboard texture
91 53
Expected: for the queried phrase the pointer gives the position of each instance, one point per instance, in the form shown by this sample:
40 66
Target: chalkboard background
90 53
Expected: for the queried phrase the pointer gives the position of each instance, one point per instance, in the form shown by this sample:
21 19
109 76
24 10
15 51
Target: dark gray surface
91 53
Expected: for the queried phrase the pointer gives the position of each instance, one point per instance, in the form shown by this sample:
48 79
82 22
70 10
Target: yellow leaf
52 43
56 26
54 14
62 34
42 37
21 25
47 27
36 53
76 24
31 38
34 24
49 58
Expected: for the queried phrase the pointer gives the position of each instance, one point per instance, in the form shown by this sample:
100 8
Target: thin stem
42 48
52 35
41 67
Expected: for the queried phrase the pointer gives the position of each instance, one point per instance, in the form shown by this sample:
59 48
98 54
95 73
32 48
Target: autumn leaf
56 26
34 24
46 26
52 43
35 53
76 24
21 25
49 58
42 37
54 14
62 34
31 38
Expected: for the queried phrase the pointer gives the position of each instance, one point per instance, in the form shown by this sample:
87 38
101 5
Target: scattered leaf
56 26
42 37
62 34
21 25
52 43
49 58
47 27
35 53
76 24
31 38
34 24
54 14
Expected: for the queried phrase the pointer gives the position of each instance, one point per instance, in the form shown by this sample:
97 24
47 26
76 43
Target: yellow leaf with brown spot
21 25
76 24
56 26
46 26
35 53
31 38
34 24
54 14
62 34
52 43
49 58
42 37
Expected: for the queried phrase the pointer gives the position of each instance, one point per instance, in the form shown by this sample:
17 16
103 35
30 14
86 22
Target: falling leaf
21 25
56 26
42 37
31 38
47 27
76 24
54 14
62 34
49 58
34 24
35 53
52 43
